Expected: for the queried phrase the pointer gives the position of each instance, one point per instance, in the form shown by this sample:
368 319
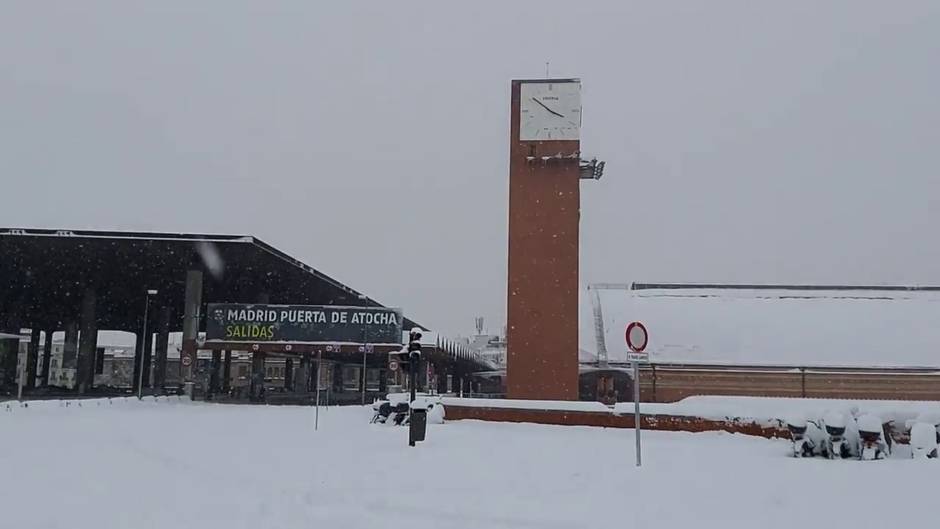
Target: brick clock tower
544 210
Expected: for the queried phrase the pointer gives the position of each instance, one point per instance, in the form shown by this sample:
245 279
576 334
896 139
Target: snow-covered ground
183 465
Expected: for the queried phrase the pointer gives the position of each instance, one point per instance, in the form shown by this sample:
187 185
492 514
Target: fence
673 382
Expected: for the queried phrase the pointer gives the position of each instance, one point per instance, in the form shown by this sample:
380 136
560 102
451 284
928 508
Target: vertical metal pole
143 356
19 391
316 422
636 411
363 367
192 305
413 379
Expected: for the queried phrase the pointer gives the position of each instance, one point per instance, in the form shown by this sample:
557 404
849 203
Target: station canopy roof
44 275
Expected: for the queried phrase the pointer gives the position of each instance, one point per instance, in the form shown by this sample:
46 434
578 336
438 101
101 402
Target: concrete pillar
162 343
46 358
143 353
138 351
334 374
192 304
227 372
257 375
214 368
302 382
423 375
441 380
148 354
70 351
289 374
32 358
256 388
9 350
88 343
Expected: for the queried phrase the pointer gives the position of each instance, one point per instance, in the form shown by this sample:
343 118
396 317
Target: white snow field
179 465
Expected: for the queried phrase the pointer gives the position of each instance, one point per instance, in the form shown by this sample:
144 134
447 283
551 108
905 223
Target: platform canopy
45 274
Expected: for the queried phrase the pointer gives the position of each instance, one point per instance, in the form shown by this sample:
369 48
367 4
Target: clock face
550 111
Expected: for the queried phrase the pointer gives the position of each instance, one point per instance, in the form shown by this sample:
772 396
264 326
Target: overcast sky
745 141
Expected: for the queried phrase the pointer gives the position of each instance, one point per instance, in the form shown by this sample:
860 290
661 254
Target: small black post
289 374
214 368
227 372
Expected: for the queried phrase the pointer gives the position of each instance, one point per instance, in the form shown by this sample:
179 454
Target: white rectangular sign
638 357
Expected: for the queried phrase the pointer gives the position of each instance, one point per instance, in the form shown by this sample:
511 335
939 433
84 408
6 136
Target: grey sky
745 141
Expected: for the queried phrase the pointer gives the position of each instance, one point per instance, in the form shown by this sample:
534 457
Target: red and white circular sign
637 337
393 365
187 360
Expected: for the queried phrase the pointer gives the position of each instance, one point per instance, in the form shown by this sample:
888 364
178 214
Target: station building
66 295
817 341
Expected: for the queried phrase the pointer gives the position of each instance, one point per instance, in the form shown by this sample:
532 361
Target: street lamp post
365 349
22 379
143 345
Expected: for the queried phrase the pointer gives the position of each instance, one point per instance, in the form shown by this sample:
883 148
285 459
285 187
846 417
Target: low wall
610 419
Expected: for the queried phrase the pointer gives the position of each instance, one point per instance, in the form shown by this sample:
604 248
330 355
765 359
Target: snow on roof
116 339
854 328
586 356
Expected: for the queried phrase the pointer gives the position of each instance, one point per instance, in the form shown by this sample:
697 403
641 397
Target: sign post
316 420
365 348
637 338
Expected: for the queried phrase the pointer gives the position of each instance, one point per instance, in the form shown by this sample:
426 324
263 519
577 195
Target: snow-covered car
395 408
874 443
924 439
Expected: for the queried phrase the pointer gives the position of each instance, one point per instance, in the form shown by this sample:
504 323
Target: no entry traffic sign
637 337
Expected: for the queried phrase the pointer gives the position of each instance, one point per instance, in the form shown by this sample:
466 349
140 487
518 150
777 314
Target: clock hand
546 108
